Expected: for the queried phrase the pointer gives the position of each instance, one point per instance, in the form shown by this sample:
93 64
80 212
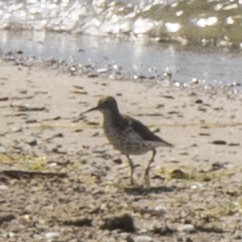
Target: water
185 21
189 38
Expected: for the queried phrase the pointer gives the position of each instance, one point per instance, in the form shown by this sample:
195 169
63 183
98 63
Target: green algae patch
181 173
24 161
192 174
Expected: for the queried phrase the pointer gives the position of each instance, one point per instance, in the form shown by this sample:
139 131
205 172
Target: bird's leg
131 165
147 169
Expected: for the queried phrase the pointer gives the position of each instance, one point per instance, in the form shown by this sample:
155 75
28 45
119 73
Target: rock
164 230
3 99
217 166
102 70
188 228
6 218
161 209
117 161
51 235
78 222
199 101
33 143
189 240
178 174
219 142
123 222
4 187
143 238
10 235
197 185
2 149
234 144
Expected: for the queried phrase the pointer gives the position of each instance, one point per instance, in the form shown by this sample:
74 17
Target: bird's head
104 105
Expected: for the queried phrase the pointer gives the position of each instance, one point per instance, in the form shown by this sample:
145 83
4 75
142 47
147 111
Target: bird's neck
112 117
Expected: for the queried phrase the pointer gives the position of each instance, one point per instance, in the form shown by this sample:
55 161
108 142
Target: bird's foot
132 183
147 181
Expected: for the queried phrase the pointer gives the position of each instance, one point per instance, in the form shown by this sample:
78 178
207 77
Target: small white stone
188 228
3 187
103 207
10 234
197 185
177 84
143 238
27 218
54 164
51 235
161 209
102 70
2 149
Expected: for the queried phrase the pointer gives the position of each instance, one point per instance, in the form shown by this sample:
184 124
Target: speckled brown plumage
127 134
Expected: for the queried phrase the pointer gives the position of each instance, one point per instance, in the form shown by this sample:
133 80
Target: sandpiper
127 134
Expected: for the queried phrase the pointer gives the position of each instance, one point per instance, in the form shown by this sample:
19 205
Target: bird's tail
165 143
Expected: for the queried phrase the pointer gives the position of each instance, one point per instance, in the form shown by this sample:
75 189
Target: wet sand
75 187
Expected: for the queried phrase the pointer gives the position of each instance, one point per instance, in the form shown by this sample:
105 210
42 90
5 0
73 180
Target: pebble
197 185
161 209
51 235
219 142
83 221
27 218
117 161
188 228
123 222
2 149
102 70
10 234
4 187
33 142
143 238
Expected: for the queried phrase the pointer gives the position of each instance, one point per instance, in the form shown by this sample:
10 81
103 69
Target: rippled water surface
190 39
185 21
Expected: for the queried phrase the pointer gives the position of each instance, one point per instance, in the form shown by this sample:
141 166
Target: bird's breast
125 139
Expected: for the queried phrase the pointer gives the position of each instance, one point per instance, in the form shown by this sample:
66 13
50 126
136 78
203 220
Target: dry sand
75 187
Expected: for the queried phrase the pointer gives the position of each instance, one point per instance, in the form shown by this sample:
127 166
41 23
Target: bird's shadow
141 190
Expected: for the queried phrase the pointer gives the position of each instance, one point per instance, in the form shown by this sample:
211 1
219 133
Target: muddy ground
60 180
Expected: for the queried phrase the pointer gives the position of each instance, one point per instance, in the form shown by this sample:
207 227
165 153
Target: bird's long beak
90 110
80 117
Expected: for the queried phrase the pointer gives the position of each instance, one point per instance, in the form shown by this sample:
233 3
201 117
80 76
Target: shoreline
38 132
115 59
